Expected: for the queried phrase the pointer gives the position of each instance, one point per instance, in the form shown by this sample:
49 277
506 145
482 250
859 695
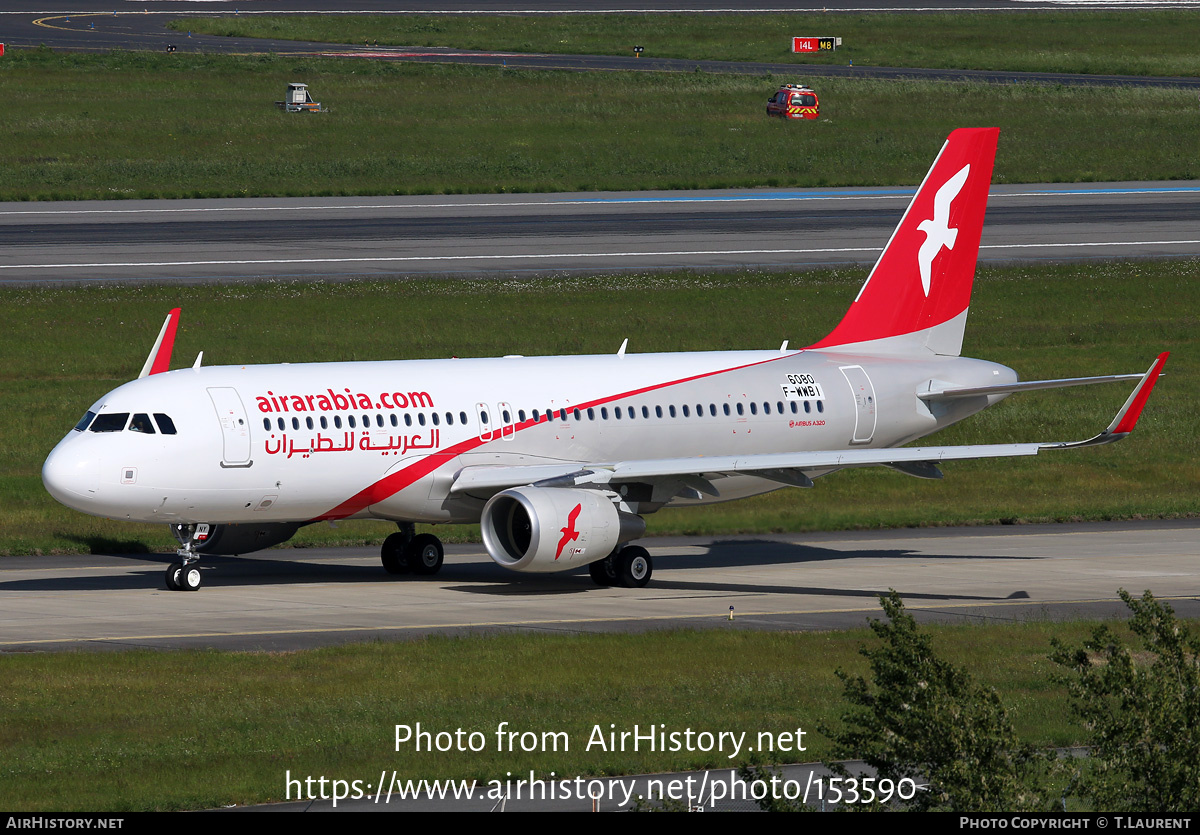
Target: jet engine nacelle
544 529
231 540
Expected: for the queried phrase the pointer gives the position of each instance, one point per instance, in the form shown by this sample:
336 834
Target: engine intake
545 529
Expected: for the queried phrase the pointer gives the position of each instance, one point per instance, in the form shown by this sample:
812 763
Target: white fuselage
297 443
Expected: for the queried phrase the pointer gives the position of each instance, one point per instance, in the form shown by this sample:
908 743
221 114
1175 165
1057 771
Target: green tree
924 719
1142 710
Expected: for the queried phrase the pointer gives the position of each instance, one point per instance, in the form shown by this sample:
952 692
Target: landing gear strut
407 551
185 575
629 567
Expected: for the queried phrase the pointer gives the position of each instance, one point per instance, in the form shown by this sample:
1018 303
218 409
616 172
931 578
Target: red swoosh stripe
392 484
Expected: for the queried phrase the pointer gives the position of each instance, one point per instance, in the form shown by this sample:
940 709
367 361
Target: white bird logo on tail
937 229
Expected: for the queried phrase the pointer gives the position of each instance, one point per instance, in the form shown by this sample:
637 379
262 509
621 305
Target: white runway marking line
594 201
545 256
1133 4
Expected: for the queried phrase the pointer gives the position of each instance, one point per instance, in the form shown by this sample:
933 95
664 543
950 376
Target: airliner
560 458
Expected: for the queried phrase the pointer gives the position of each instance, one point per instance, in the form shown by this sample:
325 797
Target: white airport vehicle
299 100
560 458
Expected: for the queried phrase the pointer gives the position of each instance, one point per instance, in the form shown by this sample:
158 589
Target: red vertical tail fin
915 300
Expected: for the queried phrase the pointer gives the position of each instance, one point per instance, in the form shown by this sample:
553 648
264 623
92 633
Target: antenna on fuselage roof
624 345
783 347
199 357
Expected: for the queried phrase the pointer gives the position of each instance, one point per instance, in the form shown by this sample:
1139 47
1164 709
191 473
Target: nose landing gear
185 575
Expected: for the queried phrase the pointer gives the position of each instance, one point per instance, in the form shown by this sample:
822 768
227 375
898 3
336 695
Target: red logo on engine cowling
569 534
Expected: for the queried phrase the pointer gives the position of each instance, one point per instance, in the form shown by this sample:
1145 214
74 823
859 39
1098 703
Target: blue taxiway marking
852 193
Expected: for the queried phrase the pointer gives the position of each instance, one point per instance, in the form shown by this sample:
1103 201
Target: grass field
65 348
205 126
1117 42
185 730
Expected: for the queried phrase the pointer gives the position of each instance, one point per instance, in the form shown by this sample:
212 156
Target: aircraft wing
785 467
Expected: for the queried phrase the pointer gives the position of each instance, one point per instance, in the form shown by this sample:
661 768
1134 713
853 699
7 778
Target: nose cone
70 477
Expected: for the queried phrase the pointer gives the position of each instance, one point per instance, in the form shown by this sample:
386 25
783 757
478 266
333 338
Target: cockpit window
84 421
165 424
141 423
110 422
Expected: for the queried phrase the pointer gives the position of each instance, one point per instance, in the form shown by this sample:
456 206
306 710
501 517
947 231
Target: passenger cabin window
110 422
84 421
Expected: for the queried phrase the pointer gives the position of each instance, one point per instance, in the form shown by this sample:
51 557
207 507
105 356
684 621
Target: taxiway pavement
292 599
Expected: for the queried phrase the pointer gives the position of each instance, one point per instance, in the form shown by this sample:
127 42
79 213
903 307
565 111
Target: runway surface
195 241
95 26
290 599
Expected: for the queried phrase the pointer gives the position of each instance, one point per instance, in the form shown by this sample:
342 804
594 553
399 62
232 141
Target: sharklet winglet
1127 417
159 359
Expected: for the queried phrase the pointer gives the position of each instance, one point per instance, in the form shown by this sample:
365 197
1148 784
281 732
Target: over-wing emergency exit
561 458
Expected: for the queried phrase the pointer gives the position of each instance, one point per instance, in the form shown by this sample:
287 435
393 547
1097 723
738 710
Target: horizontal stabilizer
1032 385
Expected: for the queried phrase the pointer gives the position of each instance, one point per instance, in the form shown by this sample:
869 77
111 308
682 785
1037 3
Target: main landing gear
185 574
629 567
409 552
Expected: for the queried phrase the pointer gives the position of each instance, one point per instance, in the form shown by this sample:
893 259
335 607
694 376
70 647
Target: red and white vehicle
794 101
560 458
